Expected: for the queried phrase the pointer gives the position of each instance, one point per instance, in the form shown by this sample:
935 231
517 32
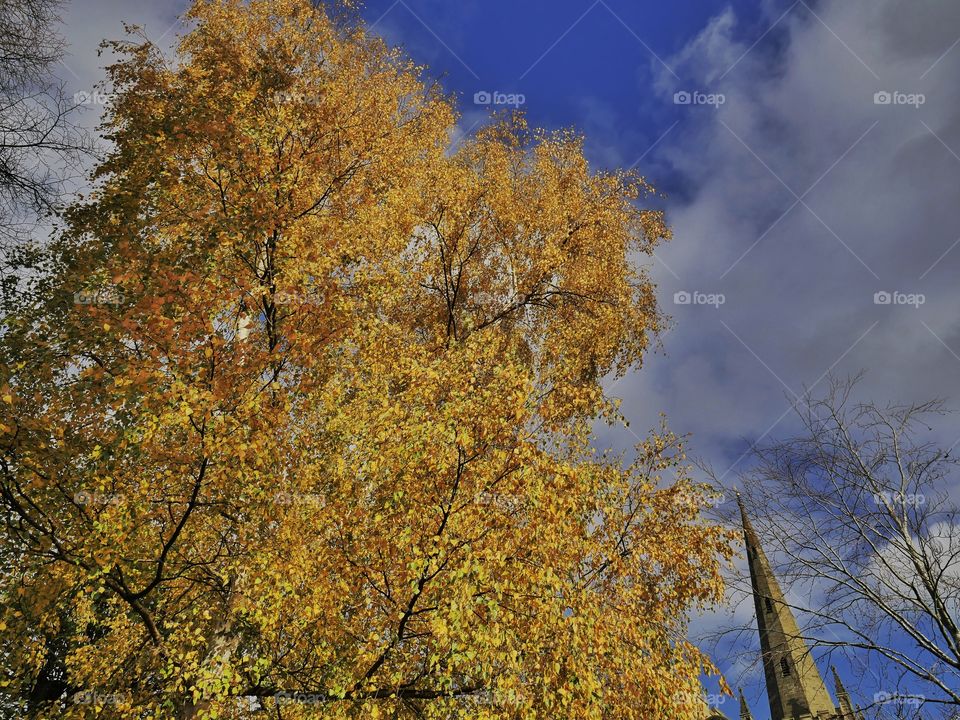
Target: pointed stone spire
744 709
843 697
795 687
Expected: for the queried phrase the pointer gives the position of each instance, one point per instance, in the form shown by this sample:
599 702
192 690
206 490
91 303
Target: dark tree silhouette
40 145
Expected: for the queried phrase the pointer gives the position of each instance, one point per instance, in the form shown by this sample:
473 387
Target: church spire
843 697
795 687
744 709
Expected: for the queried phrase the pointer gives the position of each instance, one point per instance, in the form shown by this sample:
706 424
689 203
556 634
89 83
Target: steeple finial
843 697
744 708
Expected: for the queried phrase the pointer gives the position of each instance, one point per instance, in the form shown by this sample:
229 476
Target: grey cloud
88 22
799 283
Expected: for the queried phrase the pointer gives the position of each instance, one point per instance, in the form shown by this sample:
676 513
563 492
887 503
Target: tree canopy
296 419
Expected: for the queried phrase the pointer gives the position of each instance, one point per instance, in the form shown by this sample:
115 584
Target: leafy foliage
297 420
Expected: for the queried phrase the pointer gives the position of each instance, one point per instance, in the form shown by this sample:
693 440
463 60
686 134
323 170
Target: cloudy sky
810 156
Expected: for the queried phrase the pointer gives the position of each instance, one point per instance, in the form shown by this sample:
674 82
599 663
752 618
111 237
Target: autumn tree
295 420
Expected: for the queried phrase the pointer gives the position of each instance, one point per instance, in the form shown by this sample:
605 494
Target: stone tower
795 688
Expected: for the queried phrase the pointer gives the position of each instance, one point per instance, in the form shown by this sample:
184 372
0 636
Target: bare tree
39 145
858 507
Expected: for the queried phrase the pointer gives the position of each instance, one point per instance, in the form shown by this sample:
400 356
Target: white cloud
799 283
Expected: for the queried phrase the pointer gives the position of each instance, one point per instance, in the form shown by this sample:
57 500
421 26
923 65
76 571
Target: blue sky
795 196
584 64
